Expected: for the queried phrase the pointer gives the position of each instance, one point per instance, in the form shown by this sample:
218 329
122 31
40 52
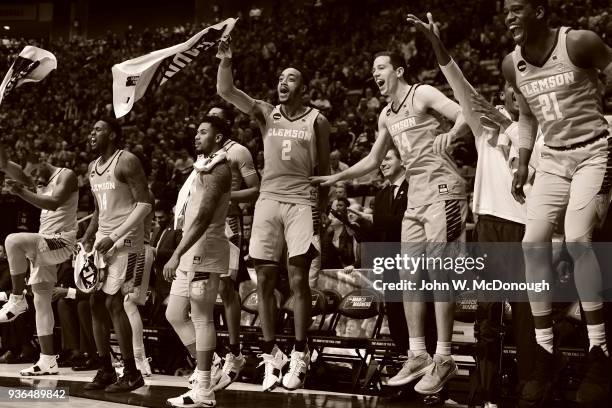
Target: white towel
132 78
32 65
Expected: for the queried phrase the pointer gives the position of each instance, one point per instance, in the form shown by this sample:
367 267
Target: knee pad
206 337
42 306
197 290
177 316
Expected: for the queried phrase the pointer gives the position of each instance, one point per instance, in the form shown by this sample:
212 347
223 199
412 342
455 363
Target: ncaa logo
521 66
197 260
276 116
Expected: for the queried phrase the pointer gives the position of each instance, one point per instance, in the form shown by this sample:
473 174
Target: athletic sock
139 353
203 378
544 337
597 337
443 348
417 345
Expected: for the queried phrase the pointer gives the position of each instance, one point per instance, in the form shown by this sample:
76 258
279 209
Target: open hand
430 29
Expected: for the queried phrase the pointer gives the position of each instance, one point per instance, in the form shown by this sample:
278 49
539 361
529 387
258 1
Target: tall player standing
437 206
243 174
555 75
296 147
119 186
57 196
224 370
203 254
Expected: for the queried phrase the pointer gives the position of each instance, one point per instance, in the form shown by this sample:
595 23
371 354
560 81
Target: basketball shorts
276 223
234 232
442 221
570 180
212 255
122 267
142 276
51 250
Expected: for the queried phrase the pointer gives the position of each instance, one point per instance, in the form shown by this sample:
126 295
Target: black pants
488 327
75 321
398 327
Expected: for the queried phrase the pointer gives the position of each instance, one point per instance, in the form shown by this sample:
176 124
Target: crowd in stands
333 41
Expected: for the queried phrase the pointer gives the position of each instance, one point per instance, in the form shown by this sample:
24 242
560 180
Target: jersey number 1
286 150
547 102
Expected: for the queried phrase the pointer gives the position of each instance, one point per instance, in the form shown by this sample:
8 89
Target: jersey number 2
547 102
286 150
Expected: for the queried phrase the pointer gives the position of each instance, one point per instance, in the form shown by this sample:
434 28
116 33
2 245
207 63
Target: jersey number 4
286 150
548 103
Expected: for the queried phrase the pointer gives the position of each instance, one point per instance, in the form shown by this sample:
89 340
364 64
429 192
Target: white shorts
51 250
183 284
442 221
121 270
276 223
142 276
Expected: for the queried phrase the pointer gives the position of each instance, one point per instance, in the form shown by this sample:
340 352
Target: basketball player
555 75
203 254
57 196
226 370
437 206
500 218
138 297
296 146
119 186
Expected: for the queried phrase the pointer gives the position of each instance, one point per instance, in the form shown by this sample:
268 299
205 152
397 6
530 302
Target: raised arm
67 185
129 170
365 165
13 170
228 91
527 128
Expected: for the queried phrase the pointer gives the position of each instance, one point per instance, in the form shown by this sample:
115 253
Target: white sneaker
46 365
490 405
298 366
142 365
443 370
414 367
231 369
13 308
273 364
198 397
193 380
216 370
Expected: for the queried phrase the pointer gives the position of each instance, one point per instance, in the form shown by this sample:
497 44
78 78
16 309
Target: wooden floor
160 387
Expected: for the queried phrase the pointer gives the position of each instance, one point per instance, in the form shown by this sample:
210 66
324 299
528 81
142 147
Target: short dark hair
395 59
228 114
303 74
219 125
344 200
539 3
115 127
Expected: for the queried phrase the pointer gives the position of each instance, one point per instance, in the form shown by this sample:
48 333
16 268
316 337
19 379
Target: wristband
71 293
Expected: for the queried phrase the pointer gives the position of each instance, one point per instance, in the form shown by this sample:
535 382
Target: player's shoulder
320 119
582 41
508 66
